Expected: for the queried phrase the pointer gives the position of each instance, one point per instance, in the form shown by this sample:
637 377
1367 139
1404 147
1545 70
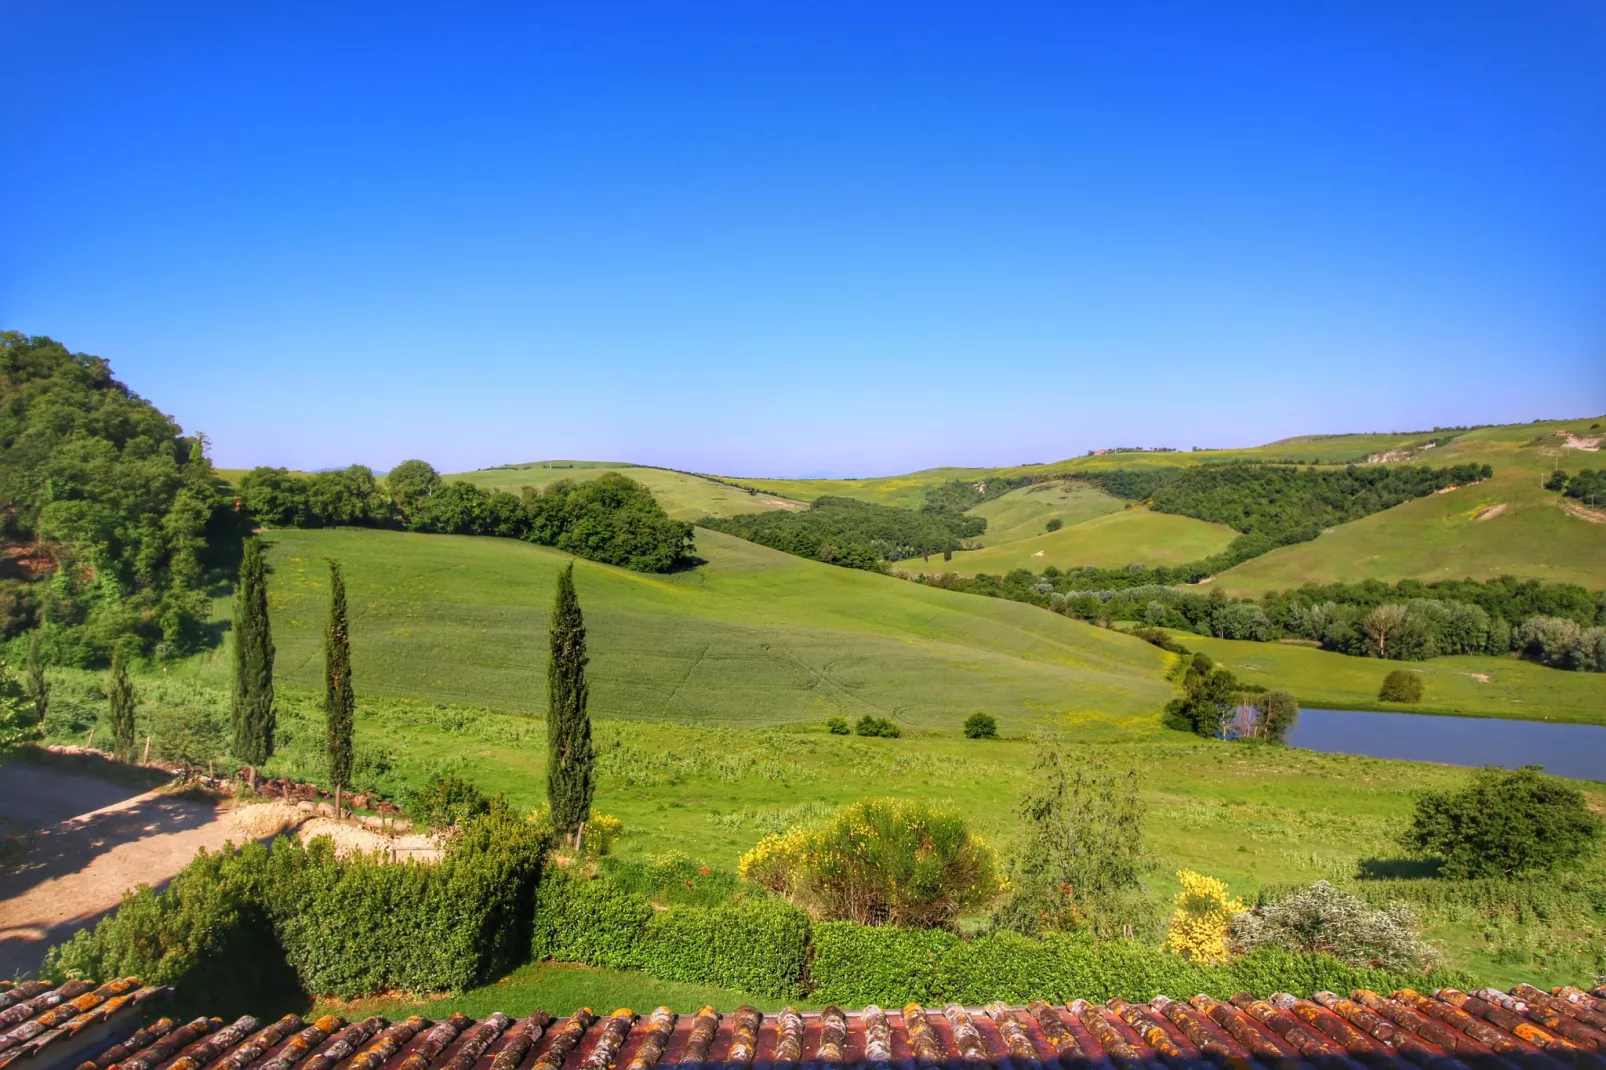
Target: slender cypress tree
338 700
38 686
120 691
253 661
568 726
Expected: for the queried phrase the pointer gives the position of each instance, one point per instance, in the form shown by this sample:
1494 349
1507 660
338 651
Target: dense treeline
854 534
1587 486
611 519
1134 484
1559 624
113 525
956 495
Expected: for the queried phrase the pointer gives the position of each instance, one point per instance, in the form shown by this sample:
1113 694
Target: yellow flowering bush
879 862
1202 921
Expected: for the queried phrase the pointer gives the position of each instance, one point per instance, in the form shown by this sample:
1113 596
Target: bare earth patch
1574 442
351 838
1490 512
1481 677
1584 512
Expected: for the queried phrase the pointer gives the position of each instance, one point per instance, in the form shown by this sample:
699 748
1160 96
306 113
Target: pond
1569 750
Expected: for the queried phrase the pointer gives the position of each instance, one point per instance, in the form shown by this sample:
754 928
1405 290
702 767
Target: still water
1569 750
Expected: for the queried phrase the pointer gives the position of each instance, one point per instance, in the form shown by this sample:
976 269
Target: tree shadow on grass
1396 869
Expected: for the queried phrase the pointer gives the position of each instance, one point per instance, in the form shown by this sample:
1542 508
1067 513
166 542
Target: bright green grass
753 637
683 496
1508 525
559 988
1476 686
1127 537
1025 511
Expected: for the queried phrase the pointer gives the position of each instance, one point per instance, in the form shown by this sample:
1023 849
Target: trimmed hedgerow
345 926
756 945
855 965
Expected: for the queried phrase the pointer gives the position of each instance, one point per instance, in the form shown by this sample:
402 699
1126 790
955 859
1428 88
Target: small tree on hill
253 661
120 693
1401 685
38 687
1279 711
981 725
1503 823
339 702
568 726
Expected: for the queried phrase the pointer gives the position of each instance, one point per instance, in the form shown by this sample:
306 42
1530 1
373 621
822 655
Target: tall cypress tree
568 725
339 703
120 691
38 686
253 661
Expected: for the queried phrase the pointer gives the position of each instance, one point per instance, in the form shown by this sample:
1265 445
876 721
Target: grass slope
754 637
683 496
1023 512
1473 685
1506 525
1123 538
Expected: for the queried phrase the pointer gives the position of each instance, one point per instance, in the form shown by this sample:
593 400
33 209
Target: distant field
1023 512
1475 686
684 497
1507 525
1123 538
905 491
754 637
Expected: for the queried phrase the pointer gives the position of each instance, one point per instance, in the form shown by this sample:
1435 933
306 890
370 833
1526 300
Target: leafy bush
1054 525
1503 823
444 802
837 726
1401 685
879 862
346 926
1079 860
981 726
1323 919
1201 918
186 734
855 964
876 727
601 831
759 945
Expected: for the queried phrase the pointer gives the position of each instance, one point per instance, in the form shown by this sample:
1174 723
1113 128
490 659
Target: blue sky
772 238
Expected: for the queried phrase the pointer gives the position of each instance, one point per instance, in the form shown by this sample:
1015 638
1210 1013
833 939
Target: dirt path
68 876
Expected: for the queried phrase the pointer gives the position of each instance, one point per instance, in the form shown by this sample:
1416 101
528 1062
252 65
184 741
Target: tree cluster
611 519
112 520
1588 486
854 534
1503 823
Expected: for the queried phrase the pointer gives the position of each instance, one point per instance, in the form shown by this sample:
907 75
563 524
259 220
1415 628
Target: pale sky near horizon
788 239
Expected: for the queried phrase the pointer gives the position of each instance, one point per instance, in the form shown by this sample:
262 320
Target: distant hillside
684 496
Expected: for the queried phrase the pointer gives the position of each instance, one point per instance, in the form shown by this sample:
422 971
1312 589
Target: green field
683 496
1131 536
1023 512
1472 685
754 637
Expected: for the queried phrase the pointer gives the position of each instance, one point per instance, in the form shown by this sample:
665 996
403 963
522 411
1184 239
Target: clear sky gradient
774 238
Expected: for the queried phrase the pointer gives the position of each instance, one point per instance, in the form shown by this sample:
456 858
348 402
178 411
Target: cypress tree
38 686
338 701
568 726
253 661
120 692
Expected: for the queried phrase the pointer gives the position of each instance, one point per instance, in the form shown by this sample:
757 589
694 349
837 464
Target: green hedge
854 965
757 945
341 927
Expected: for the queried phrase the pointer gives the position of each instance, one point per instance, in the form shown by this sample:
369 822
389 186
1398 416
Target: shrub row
757 946
1549 898
855 964
334 926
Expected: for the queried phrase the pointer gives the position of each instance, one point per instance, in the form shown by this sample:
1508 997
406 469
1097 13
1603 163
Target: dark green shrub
444 802
876 726
346 927
1054 524
837 726
1503 823
854 965
1401 685
758 945
981 726
879 861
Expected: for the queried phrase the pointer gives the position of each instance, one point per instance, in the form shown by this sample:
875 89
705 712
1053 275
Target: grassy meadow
1127 537
683 496
1025 511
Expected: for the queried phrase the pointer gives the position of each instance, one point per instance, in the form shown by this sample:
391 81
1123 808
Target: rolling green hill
683 496
1109 541
752 638
1506 525
1023 512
